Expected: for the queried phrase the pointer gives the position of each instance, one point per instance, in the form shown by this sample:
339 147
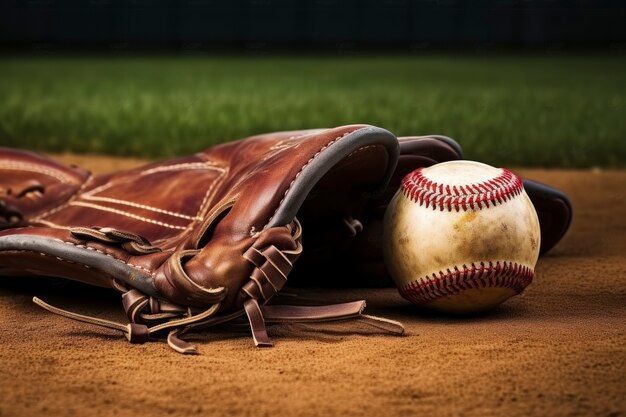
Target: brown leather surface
212 229
24 174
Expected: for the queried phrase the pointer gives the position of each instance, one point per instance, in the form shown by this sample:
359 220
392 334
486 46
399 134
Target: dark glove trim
329 156
118 269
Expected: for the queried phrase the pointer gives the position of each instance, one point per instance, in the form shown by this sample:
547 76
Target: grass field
532 111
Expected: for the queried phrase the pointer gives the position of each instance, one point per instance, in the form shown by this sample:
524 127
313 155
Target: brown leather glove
195 241
210 238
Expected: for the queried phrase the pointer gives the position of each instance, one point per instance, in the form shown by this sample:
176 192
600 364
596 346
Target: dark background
329 25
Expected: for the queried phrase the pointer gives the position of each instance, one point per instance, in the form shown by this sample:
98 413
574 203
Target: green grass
531 110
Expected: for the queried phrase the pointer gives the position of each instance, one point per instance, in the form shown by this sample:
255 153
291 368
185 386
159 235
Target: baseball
461 237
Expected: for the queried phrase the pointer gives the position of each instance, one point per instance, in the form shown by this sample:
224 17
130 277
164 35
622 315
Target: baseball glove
211 238
196 241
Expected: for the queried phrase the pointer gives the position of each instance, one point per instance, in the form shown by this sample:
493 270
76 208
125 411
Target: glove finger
554 210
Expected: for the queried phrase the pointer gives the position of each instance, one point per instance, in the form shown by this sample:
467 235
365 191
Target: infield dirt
557 350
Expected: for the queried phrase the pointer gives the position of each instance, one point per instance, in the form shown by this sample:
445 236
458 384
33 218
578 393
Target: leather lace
148 316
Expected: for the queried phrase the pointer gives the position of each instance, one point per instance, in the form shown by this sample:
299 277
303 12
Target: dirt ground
557 350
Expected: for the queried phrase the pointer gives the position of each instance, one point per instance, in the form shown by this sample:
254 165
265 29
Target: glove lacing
271 267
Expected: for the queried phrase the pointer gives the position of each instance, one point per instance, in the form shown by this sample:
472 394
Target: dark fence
199 25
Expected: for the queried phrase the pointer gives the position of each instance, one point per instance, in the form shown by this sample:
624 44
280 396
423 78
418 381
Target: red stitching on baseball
481 275
429 193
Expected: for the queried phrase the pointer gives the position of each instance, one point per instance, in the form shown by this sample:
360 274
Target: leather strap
290 313
137 333
131 242
351 310
390 326
140 333
134 302
257 323
179 345
259 316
